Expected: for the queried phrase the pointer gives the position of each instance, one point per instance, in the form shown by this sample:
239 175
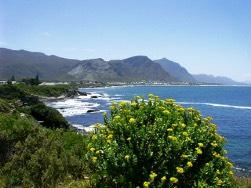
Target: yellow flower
138 97
94 159
184 156
218 181
94 137
156 97
230 164
98 125
110 136
127 157
92 149
190 109
173 180
198 151
112 107
128 139
162 108
208 118
214 144
220 138
180 170
230 173
172 138
169 101
166 112
170 130
188 139
200 145
181 109
150 95
132 121
146 184
189 164
126 111
185 134
122 103
183 125
213 127
217 155
133 104
163 179
117 118
109 141
152 175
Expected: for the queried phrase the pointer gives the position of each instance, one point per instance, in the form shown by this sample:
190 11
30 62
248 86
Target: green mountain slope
21 63
176 70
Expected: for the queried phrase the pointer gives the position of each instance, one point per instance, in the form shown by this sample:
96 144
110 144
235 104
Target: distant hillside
210 79
176 70
21 63
136 68
247 82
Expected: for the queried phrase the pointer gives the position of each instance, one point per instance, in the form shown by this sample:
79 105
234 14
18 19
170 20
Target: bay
229 106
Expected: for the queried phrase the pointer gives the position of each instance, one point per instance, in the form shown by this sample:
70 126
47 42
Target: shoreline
240 172
162 85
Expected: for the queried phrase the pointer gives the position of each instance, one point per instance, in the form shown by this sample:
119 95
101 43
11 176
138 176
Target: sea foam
217 105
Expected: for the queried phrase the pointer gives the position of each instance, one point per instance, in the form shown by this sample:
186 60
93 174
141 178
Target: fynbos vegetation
157 143
154 143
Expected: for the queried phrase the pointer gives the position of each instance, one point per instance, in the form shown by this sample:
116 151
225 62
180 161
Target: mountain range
22 63
176 70
211 79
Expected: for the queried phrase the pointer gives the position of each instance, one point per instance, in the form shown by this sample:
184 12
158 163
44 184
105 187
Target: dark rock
83 93
72 93
94 97
92 110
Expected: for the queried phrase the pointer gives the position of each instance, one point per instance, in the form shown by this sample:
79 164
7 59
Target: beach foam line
82 127
72 107
218 105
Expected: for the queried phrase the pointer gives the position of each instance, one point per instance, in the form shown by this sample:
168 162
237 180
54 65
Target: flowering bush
157 143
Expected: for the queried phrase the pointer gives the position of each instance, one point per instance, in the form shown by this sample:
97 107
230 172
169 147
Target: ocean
229 106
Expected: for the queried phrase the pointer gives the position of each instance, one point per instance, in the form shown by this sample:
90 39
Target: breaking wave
218 105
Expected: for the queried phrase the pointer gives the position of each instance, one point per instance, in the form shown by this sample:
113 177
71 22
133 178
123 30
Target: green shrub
45 90
49 117
11 92
13 130
157 143
32 156
4 106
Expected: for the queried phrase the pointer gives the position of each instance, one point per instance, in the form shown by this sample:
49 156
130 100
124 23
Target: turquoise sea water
230 107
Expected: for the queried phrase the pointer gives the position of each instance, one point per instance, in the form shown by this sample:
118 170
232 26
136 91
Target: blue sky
205 36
